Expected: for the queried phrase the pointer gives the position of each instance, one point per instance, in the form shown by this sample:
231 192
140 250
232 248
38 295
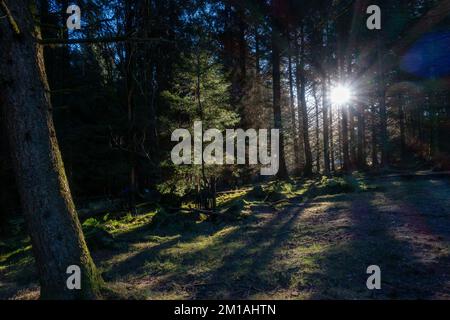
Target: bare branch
10 18
56 41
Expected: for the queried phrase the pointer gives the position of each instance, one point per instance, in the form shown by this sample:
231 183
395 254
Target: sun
340 95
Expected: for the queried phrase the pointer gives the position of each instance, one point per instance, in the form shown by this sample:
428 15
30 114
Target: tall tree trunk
341 58
352 141
332 151
401 116
146 81
276 39
382 102
345 140
242 48
129 65
325 122
374 150
55 231
292 109
361 138
317 129
257 54
301 89
339 131
434 129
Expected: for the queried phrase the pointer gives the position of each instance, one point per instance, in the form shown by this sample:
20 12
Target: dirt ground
319 249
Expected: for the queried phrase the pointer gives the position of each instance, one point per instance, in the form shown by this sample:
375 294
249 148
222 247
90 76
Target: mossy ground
292 240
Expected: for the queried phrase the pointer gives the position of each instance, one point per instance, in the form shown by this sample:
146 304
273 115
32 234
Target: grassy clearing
293 240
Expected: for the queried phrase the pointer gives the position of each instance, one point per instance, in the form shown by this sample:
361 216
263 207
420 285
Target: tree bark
130 52
342 58
352 136
361 138
326 141
317 129
332 150
257 54
382 103
345 140
292 109
374 133
301 89
55 231
401 116
276 39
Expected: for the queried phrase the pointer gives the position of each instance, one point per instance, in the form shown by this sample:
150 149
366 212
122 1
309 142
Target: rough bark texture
55 231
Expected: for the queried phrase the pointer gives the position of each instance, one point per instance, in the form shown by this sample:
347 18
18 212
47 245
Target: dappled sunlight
200 243
315 246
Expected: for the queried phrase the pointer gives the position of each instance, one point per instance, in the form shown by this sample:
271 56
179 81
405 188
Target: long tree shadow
422 207
373 241
425 204
246 270
134 262
231 267
240 262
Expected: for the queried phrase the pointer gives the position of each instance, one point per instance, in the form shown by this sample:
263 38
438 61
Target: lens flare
340 95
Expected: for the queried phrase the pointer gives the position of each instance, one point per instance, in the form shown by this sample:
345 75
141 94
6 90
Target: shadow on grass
160 238
247 270
237 260
426 203
373 241
226 261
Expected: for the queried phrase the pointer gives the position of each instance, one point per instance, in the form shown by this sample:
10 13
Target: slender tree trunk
257 53
434 134
382 102
344 109
292 109
276 39
345 140
301 89
205 184
339 130
401 116
129 65
148 84
242 48
361 138
47 203
374 138
332 151
353 141
326 141
317 129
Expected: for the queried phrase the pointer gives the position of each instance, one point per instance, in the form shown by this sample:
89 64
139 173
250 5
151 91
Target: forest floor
309 245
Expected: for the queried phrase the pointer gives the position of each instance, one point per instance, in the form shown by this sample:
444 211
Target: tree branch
11 20
56 41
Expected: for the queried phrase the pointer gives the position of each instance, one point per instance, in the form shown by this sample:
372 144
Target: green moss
17 252
227 198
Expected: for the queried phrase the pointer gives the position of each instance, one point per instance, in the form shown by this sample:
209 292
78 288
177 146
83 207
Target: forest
224 149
